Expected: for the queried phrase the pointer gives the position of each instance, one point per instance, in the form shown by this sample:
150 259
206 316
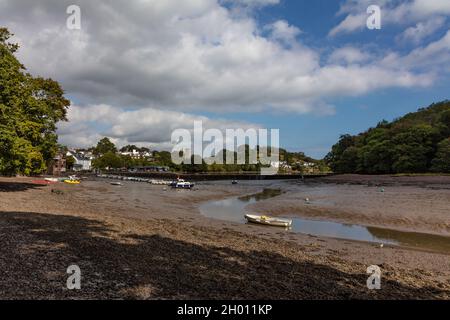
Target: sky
138 70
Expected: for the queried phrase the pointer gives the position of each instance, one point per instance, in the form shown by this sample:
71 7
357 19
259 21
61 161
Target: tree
441 163
104 146
110 160
70 162
411 144
342 157
29 111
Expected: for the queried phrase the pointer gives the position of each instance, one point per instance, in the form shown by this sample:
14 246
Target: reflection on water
414 239
234 210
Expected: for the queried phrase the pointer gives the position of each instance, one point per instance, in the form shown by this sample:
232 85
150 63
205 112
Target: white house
83 161
137 154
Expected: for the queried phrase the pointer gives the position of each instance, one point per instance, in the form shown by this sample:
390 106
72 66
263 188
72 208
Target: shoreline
142 244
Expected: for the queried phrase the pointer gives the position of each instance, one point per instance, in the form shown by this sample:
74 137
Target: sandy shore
149 243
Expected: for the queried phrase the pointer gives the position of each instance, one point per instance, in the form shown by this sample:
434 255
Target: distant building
83 160
280 165
137 154
58 165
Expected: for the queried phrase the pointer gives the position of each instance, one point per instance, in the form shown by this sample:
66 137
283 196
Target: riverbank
142 242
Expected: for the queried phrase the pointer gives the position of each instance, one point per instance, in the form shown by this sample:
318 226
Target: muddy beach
146 242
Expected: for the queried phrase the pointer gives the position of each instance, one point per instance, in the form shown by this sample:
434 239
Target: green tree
30 108
410 144
343 155
110 160
104 146
441 163
70 162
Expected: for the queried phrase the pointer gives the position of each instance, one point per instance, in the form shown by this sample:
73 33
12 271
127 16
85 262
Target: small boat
184 185
41 182
116 184
234 182
72 181
52 180
269 221
181 184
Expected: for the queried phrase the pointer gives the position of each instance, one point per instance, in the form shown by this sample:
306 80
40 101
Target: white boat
51 179
181 184
269 221
184 185
116 184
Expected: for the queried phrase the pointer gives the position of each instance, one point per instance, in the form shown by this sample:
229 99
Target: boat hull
269 221
72 182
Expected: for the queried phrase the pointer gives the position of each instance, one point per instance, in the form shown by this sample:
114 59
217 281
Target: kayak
72 181
269 221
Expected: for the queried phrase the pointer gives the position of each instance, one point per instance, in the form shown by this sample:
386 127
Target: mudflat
409 203
147 242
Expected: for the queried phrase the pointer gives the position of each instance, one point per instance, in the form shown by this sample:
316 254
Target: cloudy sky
139 69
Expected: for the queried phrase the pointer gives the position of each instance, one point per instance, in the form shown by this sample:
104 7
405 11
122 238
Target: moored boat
72 181
41 182
181 184
269 221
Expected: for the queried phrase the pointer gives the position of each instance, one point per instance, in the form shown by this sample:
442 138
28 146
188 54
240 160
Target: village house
83 160
57 166
135 154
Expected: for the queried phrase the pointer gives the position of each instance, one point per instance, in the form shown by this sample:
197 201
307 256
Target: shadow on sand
18 186
36 250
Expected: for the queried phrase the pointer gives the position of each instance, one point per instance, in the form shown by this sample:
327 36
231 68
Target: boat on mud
181 184
72 181
269 221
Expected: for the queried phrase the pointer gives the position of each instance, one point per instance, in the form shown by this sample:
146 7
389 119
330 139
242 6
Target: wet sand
141 242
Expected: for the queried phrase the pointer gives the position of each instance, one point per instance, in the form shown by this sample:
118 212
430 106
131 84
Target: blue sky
315 134
312 69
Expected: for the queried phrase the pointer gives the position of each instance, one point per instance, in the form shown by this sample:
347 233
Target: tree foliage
30 107
103 147
415 143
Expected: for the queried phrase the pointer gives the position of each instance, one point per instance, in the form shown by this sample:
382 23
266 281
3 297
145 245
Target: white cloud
89 124
282 31
349 55
186 56
351 23
422 30
164 60
393 12
434 57
253 3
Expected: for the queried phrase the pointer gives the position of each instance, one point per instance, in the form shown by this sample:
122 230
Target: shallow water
233 209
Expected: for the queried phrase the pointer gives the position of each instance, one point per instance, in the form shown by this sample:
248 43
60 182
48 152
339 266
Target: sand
148 243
